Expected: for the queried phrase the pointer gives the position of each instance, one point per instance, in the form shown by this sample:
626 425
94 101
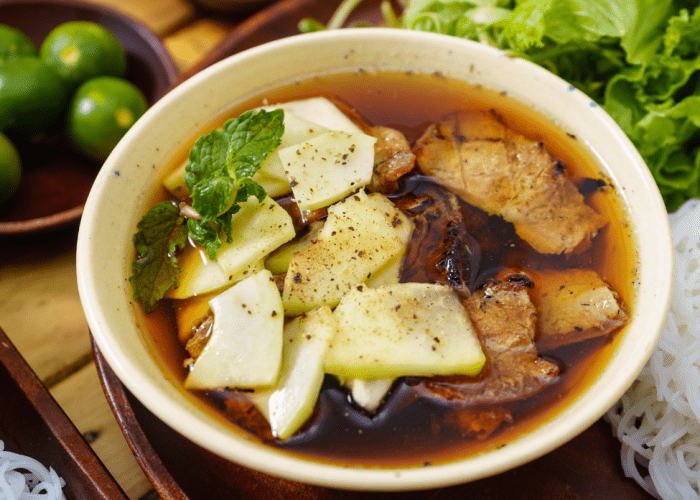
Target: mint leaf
160 235
220 168
253 137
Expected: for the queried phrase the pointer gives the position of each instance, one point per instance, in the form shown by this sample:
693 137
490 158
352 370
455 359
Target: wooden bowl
57 180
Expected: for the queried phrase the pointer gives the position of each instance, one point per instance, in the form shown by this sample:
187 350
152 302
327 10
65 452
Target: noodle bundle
24 478
658 418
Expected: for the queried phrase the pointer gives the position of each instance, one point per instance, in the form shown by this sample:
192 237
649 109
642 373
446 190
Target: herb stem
189 212
342 13
389 16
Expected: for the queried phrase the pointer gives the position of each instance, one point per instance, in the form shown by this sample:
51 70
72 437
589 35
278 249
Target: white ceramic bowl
122 190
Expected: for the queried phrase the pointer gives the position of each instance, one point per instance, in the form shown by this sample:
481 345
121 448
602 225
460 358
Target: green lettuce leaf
645 31
657 104
473 20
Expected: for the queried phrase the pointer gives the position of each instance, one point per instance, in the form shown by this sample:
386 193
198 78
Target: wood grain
82 398
39 304
188 44
161 16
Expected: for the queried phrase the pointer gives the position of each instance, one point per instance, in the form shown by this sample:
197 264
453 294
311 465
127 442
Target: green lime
80 50
101 112
32 96
10 169
14 43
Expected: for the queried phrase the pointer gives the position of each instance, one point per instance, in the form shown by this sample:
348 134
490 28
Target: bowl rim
273 462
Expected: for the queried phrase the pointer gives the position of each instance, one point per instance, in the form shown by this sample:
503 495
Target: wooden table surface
40 310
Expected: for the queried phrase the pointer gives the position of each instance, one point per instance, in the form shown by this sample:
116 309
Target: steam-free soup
478 252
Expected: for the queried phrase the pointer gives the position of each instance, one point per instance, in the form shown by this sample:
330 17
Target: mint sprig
219 177
161 233
219 171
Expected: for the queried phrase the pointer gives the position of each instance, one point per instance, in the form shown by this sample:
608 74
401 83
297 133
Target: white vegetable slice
278 261
299 114
271 175
319 110
417 329
200 275
257 229
328 167
292 401
361 235
245 347
175 183
369 394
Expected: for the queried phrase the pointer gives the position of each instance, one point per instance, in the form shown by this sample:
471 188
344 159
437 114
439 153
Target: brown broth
407 431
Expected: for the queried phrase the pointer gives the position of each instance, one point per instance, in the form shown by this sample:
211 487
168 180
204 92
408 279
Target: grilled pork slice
505 320
575 305
503 173
447 259
393 159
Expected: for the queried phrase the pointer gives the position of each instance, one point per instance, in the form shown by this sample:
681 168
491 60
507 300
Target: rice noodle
24 478
658 419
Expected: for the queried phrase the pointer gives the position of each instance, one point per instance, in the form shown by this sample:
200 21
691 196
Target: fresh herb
638 59
219 177
220 168
161 233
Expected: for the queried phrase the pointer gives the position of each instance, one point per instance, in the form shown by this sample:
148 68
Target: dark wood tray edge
38 427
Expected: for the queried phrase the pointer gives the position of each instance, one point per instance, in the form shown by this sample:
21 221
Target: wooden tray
586 467
33 424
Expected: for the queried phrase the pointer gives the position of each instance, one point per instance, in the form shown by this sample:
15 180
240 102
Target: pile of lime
75 81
